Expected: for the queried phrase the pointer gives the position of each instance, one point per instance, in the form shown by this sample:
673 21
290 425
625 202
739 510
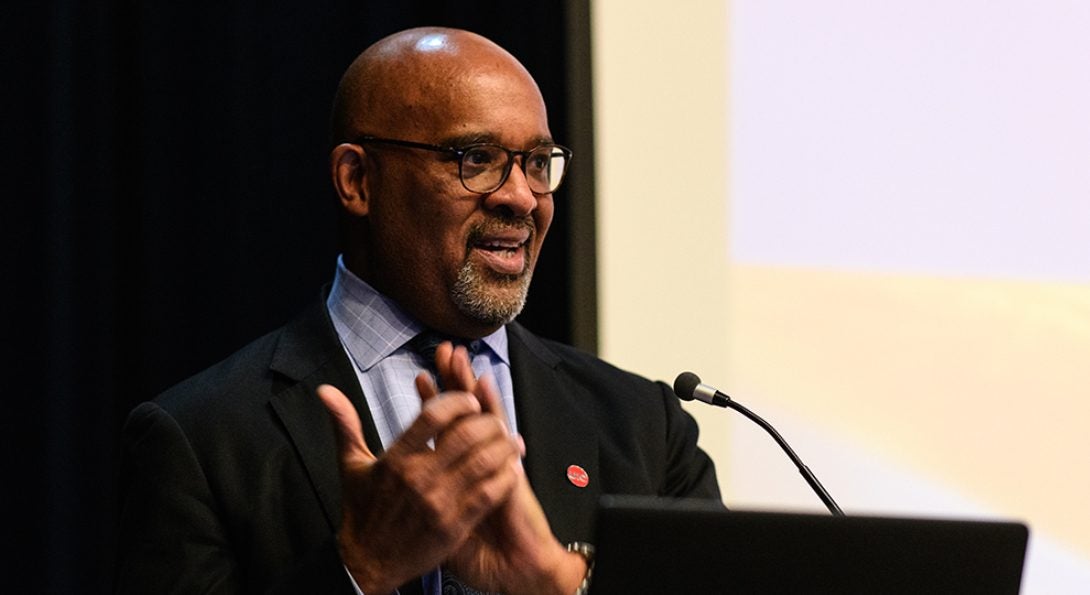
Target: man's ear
347 165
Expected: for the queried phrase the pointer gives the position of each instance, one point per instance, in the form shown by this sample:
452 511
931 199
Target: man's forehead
445 75
481 101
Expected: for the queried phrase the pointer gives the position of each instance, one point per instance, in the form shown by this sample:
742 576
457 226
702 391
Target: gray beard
483 301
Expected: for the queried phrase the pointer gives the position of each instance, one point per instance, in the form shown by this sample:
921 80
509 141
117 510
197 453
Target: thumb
346 422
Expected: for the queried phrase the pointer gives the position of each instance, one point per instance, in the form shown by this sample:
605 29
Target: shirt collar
373 326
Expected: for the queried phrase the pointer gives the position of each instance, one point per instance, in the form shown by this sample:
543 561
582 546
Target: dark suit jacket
230 480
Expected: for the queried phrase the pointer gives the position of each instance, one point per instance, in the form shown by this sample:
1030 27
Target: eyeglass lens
483 168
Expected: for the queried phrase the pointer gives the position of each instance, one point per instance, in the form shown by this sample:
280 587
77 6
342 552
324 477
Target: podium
646 545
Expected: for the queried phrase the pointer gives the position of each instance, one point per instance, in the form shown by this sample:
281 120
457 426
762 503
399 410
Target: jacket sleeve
172 537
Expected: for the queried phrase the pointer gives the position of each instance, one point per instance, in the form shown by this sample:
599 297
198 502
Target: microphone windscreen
685 385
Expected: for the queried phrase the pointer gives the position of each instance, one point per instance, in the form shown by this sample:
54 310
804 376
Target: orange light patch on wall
984 384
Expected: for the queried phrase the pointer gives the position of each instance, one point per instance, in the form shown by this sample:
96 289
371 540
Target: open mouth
503 251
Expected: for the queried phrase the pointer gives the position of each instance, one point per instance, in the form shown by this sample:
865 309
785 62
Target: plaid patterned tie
427 342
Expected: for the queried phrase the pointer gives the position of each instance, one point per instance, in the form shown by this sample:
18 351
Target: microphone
688 386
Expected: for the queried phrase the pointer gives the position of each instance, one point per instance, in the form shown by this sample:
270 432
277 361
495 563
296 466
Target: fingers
489 396
483 439
438 413
480 462
456 373
521 444
425 386
468 447
454 367
489 491
462 368
346 422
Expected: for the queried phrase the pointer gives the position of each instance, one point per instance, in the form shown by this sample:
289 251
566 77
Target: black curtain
167 200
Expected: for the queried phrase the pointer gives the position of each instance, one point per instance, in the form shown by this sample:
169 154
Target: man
236 480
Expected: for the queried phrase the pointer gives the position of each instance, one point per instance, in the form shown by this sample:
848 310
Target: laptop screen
646 545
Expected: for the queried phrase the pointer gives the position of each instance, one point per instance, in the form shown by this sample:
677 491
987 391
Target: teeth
503 249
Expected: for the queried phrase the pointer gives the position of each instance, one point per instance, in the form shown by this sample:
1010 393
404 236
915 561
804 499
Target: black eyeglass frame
461 152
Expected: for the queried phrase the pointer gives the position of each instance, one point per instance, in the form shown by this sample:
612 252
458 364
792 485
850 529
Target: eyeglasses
484 167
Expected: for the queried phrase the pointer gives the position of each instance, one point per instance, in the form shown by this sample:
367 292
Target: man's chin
488 297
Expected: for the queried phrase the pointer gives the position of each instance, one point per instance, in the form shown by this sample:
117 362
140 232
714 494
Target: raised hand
406 512
513 549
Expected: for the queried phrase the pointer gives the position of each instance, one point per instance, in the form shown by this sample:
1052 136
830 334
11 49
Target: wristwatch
587 551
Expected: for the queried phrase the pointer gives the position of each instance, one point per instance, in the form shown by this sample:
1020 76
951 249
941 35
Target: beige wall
662 178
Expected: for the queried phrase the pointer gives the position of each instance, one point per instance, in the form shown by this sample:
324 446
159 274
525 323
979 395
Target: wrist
570 571
586 552
368 579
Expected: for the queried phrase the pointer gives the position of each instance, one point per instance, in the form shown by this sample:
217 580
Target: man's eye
479 157
538 161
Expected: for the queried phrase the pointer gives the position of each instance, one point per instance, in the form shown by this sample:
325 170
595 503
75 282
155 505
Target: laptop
647 545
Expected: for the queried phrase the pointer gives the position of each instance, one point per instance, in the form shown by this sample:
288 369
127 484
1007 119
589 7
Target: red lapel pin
578 476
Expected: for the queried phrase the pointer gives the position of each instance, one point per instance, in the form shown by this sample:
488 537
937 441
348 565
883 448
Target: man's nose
514 195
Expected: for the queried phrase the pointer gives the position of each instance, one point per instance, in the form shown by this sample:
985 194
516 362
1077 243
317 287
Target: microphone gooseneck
688 386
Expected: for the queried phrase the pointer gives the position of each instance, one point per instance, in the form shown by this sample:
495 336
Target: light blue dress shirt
375 333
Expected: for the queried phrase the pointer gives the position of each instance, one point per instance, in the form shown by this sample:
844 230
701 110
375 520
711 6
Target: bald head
402 82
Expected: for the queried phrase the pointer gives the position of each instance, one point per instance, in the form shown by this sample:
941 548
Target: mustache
493 225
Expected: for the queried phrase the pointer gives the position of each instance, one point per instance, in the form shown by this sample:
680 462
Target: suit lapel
558 434
307 355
